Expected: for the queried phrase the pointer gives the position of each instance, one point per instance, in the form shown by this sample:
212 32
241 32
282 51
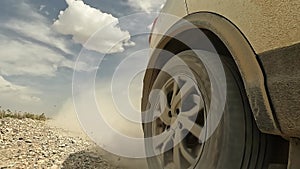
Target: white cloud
47 13
147 5
39 30
21 57
36 27
6 86
37 57
18 92
82 21
42 7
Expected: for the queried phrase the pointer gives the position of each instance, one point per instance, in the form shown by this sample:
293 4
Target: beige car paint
173 11
267 24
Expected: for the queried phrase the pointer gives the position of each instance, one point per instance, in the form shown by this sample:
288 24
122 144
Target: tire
236 143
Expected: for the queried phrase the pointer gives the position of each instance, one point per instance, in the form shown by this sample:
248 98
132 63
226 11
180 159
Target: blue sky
39 45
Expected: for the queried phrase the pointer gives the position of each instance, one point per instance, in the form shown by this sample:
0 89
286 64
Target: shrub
21 115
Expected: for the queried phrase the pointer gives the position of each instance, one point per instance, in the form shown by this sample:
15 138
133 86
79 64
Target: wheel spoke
196 109
164 117
164 109
192 112
197 99
196 130
162 102
176 150
176 100
175 89
185 90
155 128
162 140
191 126
165 147
186 154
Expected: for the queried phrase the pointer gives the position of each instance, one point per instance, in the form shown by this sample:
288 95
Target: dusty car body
263 39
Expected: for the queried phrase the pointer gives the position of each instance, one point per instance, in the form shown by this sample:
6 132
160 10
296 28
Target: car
221 90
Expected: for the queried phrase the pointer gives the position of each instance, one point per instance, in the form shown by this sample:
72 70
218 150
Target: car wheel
174 138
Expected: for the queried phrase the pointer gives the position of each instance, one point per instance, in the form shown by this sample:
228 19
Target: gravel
29 143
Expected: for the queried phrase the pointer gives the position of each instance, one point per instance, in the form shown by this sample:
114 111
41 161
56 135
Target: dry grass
21 115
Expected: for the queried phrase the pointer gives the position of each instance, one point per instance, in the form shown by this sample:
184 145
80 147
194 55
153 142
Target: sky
41 41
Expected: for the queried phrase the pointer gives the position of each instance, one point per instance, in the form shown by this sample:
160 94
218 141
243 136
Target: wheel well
227 40
176 45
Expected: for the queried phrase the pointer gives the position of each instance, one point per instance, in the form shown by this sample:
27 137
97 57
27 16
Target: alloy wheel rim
179 121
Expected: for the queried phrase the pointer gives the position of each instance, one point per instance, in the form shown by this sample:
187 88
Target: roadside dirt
30 143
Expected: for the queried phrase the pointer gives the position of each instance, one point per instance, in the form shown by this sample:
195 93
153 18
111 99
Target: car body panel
242 54
268 28
172 12
273 31
282 73
266 24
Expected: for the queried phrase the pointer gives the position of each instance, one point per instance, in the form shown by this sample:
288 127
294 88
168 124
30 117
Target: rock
28 143
54 167
41 162
73 141
62 145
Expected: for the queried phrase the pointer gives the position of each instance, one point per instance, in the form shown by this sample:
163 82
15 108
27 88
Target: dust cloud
67 119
